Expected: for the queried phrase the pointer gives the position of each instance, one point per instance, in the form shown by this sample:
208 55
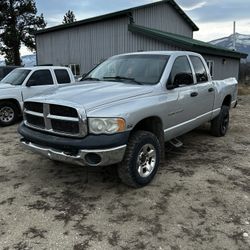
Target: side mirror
170 87
30 83
183 78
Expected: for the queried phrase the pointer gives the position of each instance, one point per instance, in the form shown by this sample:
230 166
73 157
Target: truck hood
91 94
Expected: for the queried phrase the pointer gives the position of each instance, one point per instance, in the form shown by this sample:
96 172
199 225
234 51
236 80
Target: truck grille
53 118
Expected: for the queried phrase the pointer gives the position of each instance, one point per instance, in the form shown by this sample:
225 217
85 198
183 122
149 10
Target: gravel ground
200 198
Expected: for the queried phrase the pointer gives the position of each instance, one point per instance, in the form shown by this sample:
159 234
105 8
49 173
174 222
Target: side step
176 143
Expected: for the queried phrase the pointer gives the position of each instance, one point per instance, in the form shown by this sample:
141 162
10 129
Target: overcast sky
213 17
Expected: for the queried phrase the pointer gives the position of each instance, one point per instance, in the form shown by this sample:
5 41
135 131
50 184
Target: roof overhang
126 12
184 42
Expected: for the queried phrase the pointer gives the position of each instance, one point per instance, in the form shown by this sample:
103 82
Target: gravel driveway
200 198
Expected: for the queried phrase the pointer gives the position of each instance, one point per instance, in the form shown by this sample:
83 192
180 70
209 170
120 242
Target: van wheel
220 124
8 114
141 160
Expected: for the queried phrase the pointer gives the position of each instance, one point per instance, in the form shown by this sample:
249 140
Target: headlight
106 125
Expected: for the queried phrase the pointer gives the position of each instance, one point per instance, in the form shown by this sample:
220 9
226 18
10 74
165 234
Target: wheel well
227 101
154 125
14 101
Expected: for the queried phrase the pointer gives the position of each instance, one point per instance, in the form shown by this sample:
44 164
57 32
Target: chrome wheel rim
146 160
6 114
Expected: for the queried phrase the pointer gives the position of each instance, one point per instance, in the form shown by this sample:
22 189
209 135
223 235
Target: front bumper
92 150
94 157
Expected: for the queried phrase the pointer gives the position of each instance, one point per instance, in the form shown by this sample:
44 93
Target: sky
213 17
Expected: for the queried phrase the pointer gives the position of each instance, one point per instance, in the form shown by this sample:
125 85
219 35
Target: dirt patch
200 198
244 89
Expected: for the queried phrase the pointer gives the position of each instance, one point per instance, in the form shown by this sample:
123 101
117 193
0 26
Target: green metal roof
185 42
120 13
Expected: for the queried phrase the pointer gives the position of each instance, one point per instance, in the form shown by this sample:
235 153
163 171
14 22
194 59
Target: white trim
192 120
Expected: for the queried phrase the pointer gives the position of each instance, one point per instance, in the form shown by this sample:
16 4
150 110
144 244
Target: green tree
69 17
18 23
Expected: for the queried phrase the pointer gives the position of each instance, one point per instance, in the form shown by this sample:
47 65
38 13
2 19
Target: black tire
8 113
128 170
219 125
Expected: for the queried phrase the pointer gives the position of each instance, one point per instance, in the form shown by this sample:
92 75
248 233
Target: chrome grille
57 119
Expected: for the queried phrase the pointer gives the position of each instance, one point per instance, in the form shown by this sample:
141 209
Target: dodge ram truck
22 83
125 110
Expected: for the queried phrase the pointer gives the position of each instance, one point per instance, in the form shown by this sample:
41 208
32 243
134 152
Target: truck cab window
181 73
199 68
62 76
40 77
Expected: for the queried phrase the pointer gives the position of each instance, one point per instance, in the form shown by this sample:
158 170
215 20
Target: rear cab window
199 68
62 76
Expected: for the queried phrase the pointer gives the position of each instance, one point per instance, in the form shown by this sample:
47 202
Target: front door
181 99
39 82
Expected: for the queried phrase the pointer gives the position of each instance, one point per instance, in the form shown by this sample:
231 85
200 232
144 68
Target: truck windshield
16 77
138 69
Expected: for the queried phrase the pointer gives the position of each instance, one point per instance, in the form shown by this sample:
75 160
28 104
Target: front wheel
220 124
8 114
141 160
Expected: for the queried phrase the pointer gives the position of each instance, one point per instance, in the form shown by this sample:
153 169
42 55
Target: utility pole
234 36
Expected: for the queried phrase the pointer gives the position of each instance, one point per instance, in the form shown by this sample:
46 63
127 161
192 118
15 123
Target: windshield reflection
16 77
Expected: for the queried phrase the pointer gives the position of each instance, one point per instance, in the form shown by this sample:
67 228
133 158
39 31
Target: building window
75 68
210 65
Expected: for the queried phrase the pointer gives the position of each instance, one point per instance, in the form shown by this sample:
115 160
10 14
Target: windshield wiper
90 79
122 78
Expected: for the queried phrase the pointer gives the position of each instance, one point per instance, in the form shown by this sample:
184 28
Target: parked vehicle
126 109
23 83
5 70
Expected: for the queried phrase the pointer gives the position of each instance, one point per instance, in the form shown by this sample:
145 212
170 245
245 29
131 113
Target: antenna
234 37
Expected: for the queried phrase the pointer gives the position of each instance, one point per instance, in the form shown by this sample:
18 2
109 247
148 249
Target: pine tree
18 23
69 17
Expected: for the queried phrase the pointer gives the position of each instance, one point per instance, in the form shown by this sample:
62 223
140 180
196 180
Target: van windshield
139 69
16 77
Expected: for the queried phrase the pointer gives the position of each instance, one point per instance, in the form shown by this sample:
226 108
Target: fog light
93 158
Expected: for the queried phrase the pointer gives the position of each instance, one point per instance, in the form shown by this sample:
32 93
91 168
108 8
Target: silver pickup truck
125 110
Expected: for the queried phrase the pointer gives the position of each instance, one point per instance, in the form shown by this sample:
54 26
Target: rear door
39 82
205 89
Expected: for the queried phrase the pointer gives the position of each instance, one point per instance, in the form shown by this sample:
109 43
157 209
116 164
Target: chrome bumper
82 158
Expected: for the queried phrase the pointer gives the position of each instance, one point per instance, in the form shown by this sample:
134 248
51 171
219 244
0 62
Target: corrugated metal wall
163 17
87 45
224 67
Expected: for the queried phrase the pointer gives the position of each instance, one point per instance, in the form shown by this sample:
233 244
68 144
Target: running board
176 143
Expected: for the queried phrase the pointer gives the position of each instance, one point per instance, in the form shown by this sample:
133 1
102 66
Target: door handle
193 94
210 89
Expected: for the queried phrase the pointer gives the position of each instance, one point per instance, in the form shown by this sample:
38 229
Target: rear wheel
141 160
220 124
8 114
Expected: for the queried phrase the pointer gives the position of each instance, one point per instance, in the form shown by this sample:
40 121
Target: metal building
160 25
